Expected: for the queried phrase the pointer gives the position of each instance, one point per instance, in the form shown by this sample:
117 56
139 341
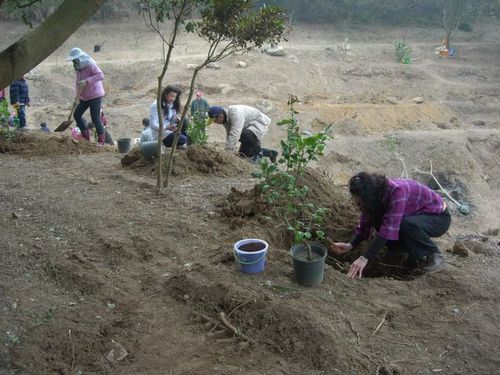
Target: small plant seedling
11 339
196 129
280 187
402 52
46 317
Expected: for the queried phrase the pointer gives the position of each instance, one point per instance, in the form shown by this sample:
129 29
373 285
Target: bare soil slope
101 275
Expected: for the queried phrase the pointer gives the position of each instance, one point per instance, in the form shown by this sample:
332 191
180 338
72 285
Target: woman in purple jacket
89 86
404 214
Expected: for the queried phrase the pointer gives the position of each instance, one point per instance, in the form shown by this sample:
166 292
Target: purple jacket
403 198
94 77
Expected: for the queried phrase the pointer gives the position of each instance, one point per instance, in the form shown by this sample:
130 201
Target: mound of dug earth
195 160
341 218
41 144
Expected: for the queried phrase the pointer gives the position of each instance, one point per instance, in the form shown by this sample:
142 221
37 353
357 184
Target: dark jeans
415 232
250 144
21 113
168 141
95 114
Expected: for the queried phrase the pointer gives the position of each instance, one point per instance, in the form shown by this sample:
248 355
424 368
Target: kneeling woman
405 214
170 110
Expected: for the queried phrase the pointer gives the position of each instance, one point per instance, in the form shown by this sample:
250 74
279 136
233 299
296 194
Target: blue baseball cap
215 111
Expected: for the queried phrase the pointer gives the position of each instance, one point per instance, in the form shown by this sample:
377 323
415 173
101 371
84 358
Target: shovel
65 124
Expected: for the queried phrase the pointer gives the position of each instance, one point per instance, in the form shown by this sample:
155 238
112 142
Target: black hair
177 101
145 121
370 189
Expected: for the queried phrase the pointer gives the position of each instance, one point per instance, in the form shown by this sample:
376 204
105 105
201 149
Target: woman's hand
82 84
357 267
339 248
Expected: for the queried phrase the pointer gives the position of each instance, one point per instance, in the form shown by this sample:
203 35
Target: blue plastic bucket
250 261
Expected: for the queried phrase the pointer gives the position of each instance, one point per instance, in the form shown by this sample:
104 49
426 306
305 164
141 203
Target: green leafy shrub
281 188
7 135
196 129
4 113
402 52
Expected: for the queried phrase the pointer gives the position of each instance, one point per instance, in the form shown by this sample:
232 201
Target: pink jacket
94 77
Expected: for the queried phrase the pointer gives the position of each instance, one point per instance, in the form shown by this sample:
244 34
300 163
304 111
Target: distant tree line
415 12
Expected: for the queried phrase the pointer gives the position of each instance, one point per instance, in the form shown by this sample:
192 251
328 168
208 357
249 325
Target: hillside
101 275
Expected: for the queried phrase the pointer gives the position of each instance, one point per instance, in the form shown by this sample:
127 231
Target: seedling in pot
280 185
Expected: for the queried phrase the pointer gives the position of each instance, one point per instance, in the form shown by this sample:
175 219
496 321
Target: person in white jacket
170 109
246 125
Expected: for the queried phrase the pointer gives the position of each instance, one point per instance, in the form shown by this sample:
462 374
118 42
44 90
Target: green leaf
287 121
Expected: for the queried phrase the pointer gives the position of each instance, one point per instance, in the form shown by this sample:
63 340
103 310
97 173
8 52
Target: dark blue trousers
95 114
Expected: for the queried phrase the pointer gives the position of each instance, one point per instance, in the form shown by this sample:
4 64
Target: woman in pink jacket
89 79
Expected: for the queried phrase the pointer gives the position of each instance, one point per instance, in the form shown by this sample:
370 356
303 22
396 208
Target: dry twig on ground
239 306
379 325
232 328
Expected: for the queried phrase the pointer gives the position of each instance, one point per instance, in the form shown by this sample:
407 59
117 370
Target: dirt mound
475 244
195 160
340 220
134 160
41 144
262 318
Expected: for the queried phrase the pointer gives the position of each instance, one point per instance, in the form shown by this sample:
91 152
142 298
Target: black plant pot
309 272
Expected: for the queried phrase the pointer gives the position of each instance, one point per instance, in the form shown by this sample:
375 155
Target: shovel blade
63 126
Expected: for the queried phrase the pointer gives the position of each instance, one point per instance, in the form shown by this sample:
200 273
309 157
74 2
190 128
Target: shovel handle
75 102
72 110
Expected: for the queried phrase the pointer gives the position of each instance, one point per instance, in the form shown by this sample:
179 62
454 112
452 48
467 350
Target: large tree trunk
33 48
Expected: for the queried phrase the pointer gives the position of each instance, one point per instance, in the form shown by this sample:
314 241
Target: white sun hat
74 54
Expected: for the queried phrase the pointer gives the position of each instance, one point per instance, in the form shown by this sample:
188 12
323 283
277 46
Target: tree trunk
33 48
159 180
181 123
171 43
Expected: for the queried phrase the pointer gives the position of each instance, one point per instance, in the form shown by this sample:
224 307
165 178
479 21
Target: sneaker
86 134
435 263
101 139
273 156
